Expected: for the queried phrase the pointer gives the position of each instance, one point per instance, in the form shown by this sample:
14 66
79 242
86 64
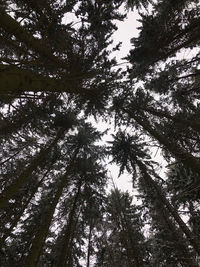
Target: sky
127 29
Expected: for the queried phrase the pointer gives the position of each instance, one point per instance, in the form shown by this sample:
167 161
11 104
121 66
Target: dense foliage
58 74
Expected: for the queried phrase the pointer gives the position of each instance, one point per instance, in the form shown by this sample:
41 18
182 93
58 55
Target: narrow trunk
184 256
89 243
130 254
68 232
9 192
39 239
134 246
112 259
173 148
195 125
191 238
70 258
133 255
6 160
19 215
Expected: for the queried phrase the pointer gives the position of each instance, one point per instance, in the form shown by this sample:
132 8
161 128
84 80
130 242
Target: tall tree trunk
14 81
68 232
21 212
184 256
39 239
188 159
9 192
195 125
112 258
70 258
138 261
190 236
13 27
89 243
133 255
130 252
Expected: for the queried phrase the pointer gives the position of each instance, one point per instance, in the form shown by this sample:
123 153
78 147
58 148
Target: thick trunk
9 192
68 232
39 239
15 81
12 27
191 238
172 147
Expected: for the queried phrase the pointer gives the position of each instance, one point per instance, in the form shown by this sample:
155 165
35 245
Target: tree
130 152
42 64
162 34
57 73
125 220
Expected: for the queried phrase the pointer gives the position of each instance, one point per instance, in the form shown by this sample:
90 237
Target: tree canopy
58 204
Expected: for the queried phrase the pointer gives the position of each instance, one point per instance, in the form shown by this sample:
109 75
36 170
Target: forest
58 74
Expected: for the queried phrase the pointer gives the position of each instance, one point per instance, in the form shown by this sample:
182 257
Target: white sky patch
127 29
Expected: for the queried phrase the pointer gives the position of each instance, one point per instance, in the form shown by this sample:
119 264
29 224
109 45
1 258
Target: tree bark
9 192
195 125
183 254
133 255
39 239
19 215
191 238
68 232
12 27
172 147
89 243
15 80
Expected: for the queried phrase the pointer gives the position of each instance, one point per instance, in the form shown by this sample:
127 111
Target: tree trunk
9 192
138 261
183 254
68 232
173 148
129 252
19 215
14 81
133 255
195 125
39 239
89 243
13 27
191 238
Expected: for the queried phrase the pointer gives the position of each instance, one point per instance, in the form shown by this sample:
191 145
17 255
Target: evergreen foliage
57 73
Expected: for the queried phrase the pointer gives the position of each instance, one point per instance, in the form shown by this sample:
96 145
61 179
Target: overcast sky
127 29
